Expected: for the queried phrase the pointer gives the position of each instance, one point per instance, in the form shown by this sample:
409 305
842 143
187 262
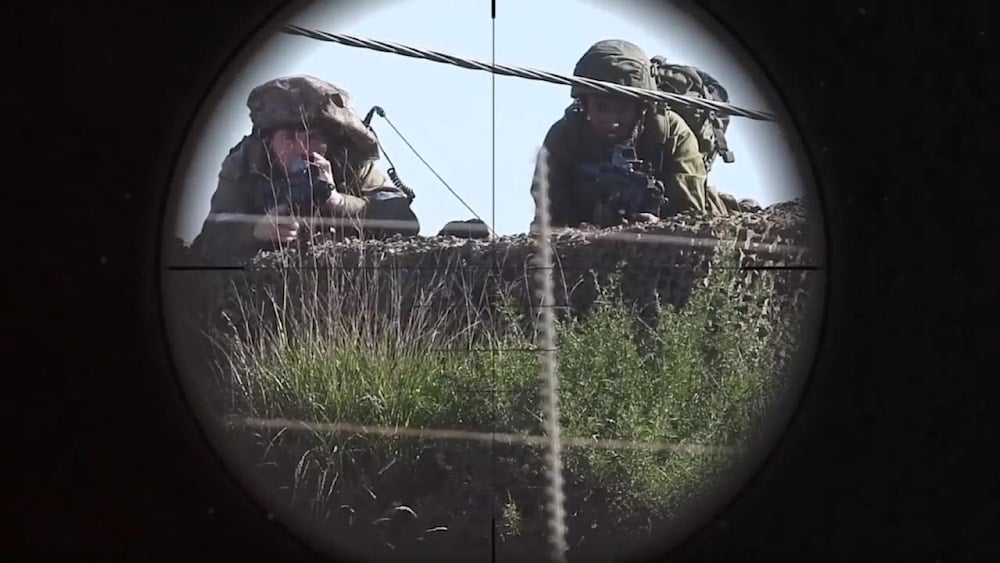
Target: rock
472 228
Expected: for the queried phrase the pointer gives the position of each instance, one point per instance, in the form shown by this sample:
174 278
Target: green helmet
306 101
615 61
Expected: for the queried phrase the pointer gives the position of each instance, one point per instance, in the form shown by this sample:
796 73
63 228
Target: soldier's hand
323 166
276 226
326 175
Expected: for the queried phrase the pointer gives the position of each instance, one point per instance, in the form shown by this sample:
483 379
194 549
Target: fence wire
721 108
506 438
550 379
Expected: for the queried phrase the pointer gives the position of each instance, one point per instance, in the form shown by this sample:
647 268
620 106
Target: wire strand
549 376
429 167
508 438
721 108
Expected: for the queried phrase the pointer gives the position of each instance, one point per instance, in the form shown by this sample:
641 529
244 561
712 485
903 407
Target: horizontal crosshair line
469 435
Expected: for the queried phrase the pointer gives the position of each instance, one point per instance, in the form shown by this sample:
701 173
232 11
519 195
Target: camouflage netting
461 278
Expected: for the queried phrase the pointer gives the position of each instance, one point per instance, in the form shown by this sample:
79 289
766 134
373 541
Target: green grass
704 375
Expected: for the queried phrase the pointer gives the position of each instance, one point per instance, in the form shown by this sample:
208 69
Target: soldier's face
288 146
611 115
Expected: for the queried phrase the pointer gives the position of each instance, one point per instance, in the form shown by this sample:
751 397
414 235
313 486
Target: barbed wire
550 380
721 108
473 436
704 243
625 236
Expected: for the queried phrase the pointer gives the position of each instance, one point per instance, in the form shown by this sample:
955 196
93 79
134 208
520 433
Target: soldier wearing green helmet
596 121
307 166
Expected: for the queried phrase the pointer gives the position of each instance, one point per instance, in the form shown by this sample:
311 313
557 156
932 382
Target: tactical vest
649 144
247 165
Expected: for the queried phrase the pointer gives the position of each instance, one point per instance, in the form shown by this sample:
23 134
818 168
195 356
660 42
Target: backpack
708 127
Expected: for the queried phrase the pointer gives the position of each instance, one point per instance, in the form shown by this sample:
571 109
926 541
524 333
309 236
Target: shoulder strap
653 138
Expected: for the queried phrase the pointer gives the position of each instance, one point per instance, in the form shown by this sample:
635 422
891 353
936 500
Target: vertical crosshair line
493 223
493 114
547 341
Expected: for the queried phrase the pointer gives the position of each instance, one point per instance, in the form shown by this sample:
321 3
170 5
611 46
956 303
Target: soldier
596 121
308 158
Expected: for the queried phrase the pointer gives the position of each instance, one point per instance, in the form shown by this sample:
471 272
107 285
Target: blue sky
447 112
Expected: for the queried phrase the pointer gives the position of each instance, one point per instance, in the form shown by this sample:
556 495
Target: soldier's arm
559 178
391 215
368 179
685 177
372 179
227 232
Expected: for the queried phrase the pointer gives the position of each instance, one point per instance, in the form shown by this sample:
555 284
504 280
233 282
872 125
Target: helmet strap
639 122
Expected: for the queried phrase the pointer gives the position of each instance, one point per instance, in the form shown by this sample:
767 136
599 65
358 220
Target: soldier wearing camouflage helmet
596 121
308 157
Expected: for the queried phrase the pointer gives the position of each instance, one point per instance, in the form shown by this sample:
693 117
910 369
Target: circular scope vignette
353 292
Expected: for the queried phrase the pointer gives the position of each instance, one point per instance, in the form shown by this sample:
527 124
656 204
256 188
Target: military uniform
370 205
661 137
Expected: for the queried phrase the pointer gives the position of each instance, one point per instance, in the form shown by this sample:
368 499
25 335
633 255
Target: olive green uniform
665 140
661 137
247 174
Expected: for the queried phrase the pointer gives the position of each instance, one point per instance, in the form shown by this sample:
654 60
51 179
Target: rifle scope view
442 286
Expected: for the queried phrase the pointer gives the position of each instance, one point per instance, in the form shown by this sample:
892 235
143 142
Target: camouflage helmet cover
615 61
303 101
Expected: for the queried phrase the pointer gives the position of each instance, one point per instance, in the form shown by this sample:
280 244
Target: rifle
621 188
